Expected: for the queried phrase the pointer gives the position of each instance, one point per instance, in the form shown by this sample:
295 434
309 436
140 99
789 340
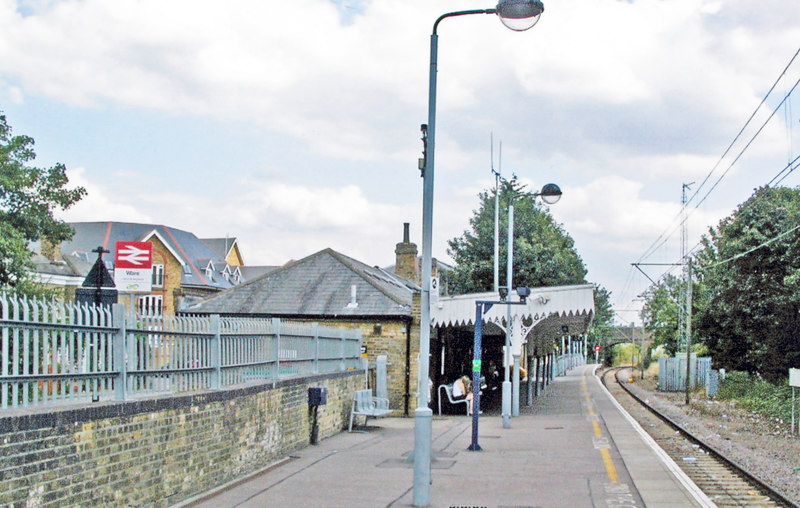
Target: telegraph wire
787 167
742 254
750 119
748 144
664 236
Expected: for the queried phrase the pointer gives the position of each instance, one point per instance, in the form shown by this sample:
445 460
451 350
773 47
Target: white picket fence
56 352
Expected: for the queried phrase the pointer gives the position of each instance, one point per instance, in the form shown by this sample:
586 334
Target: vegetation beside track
752 393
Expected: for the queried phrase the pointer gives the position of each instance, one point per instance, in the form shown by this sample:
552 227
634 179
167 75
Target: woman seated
462 390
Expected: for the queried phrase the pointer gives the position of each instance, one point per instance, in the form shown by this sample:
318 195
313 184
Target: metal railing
56 352
672 373
565 362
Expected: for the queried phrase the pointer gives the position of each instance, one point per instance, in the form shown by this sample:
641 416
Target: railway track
721 479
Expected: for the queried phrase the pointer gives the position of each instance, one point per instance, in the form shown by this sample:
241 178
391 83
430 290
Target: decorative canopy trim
560 301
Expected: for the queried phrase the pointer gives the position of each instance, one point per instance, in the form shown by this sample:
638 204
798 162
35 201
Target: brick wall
160 451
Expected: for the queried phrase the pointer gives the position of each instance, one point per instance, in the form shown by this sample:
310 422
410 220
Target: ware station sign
133 267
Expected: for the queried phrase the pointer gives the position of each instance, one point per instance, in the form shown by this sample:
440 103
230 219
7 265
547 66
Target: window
158 276
150 305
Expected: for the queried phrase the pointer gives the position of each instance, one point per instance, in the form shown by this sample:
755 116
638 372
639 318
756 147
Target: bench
448 390
369 406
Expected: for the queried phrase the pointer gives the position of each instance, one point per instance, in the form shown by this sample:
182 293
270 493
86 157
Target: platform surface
574 447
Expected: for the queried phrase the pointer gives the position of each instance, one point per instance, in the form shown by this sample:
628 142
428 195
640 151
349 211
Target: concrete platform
575 447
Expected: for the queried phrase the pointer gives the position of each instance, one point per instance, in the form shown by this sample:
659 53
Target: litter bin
317 396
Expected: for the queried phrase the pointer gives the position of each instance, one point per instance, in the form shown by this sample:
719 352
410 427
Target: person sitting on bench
461 390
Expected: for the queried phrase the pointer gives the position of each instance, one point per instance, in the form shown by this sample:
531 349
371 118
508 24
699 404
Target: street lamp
550 194
512 13
519 15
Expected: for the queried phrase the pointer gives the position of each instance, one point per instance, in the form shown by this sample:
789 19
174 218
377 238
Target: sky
294 126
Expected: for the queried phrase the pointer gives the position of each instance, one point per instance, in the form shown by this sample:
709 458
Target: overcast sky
294 126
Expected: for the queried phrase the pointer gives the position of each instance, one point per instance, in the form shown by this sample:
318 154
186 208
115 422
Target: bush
755 394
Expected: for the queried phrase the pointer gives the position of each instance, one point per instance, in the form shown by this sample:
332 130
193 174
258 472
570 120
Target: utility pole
688 332
685 316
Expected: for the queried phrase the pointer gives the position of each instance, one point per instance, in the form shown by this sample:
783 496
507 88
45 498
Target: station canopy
548 314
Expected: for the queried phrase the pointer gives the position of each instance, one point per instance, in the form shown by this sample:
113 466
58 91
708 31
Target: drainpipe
407 394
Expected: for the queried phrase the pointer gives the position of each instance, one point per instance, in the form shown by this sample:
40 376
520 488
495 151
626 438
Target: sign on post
133 267
794 377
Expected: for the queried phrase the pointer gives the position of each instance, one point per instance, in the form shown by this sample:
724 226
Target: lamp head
550 193
523 293
503 293
519 15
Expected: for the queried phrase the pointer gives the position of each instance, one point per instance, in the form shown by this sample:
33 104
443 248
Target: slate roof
251 272
183 244
219 246
68 266
319 286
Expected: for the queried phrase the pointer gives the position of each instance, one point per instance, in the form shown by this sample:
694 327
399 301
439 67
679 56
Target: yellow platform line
611 471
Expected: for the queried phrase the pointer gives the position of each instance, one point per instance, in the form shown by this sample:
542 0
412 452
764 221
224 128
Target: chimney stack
406 258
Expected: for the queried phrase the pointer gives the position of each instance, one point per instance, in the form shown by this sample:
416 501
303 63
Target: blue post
476 375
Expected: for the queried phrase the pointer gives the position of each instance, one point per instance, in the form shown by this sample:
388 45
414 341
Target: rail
767 489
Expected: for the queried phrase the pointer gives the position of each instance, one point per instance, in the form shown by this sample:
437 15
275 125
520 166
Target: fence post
342 364
120 346
315 329
216 353
276 326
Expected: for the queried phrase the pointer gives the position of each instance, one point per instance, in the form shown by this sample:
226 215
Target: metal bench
369 406
448 389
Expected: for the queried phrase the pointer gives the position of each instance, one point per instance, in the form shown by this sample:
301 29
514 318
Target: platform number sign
434 290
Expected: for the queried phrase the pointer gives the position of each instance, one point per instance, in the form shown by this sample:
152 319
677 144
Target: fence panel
55 353
247 347
672 373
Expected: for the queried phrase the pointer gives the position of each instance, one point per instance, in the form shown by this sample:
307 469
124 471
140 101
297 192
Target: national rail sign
133 267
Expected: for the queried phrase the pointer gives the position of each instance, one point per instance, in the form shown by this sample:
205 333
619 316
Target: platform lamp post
550 194
518 15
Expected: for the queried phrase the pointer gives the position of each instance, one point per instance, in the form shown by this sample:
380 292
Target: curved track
721 479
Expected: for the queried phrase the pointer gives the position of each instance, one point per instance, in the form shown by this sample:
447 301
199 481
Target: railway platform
575 447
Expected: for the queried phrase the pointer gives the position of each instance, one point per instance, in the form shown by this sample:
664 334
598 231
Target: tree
749 269
544 254
660 313
603 317
28 198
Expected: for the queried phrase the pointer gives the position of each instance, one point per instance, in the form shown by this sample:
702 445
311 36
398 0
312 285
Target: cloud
620 102
100 203
351 89
274 221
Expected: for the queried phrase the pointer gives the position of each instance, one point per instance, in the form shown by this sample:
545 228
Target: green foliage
749 312
755 394
28 198
544 254
625 354
660 313
603 317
